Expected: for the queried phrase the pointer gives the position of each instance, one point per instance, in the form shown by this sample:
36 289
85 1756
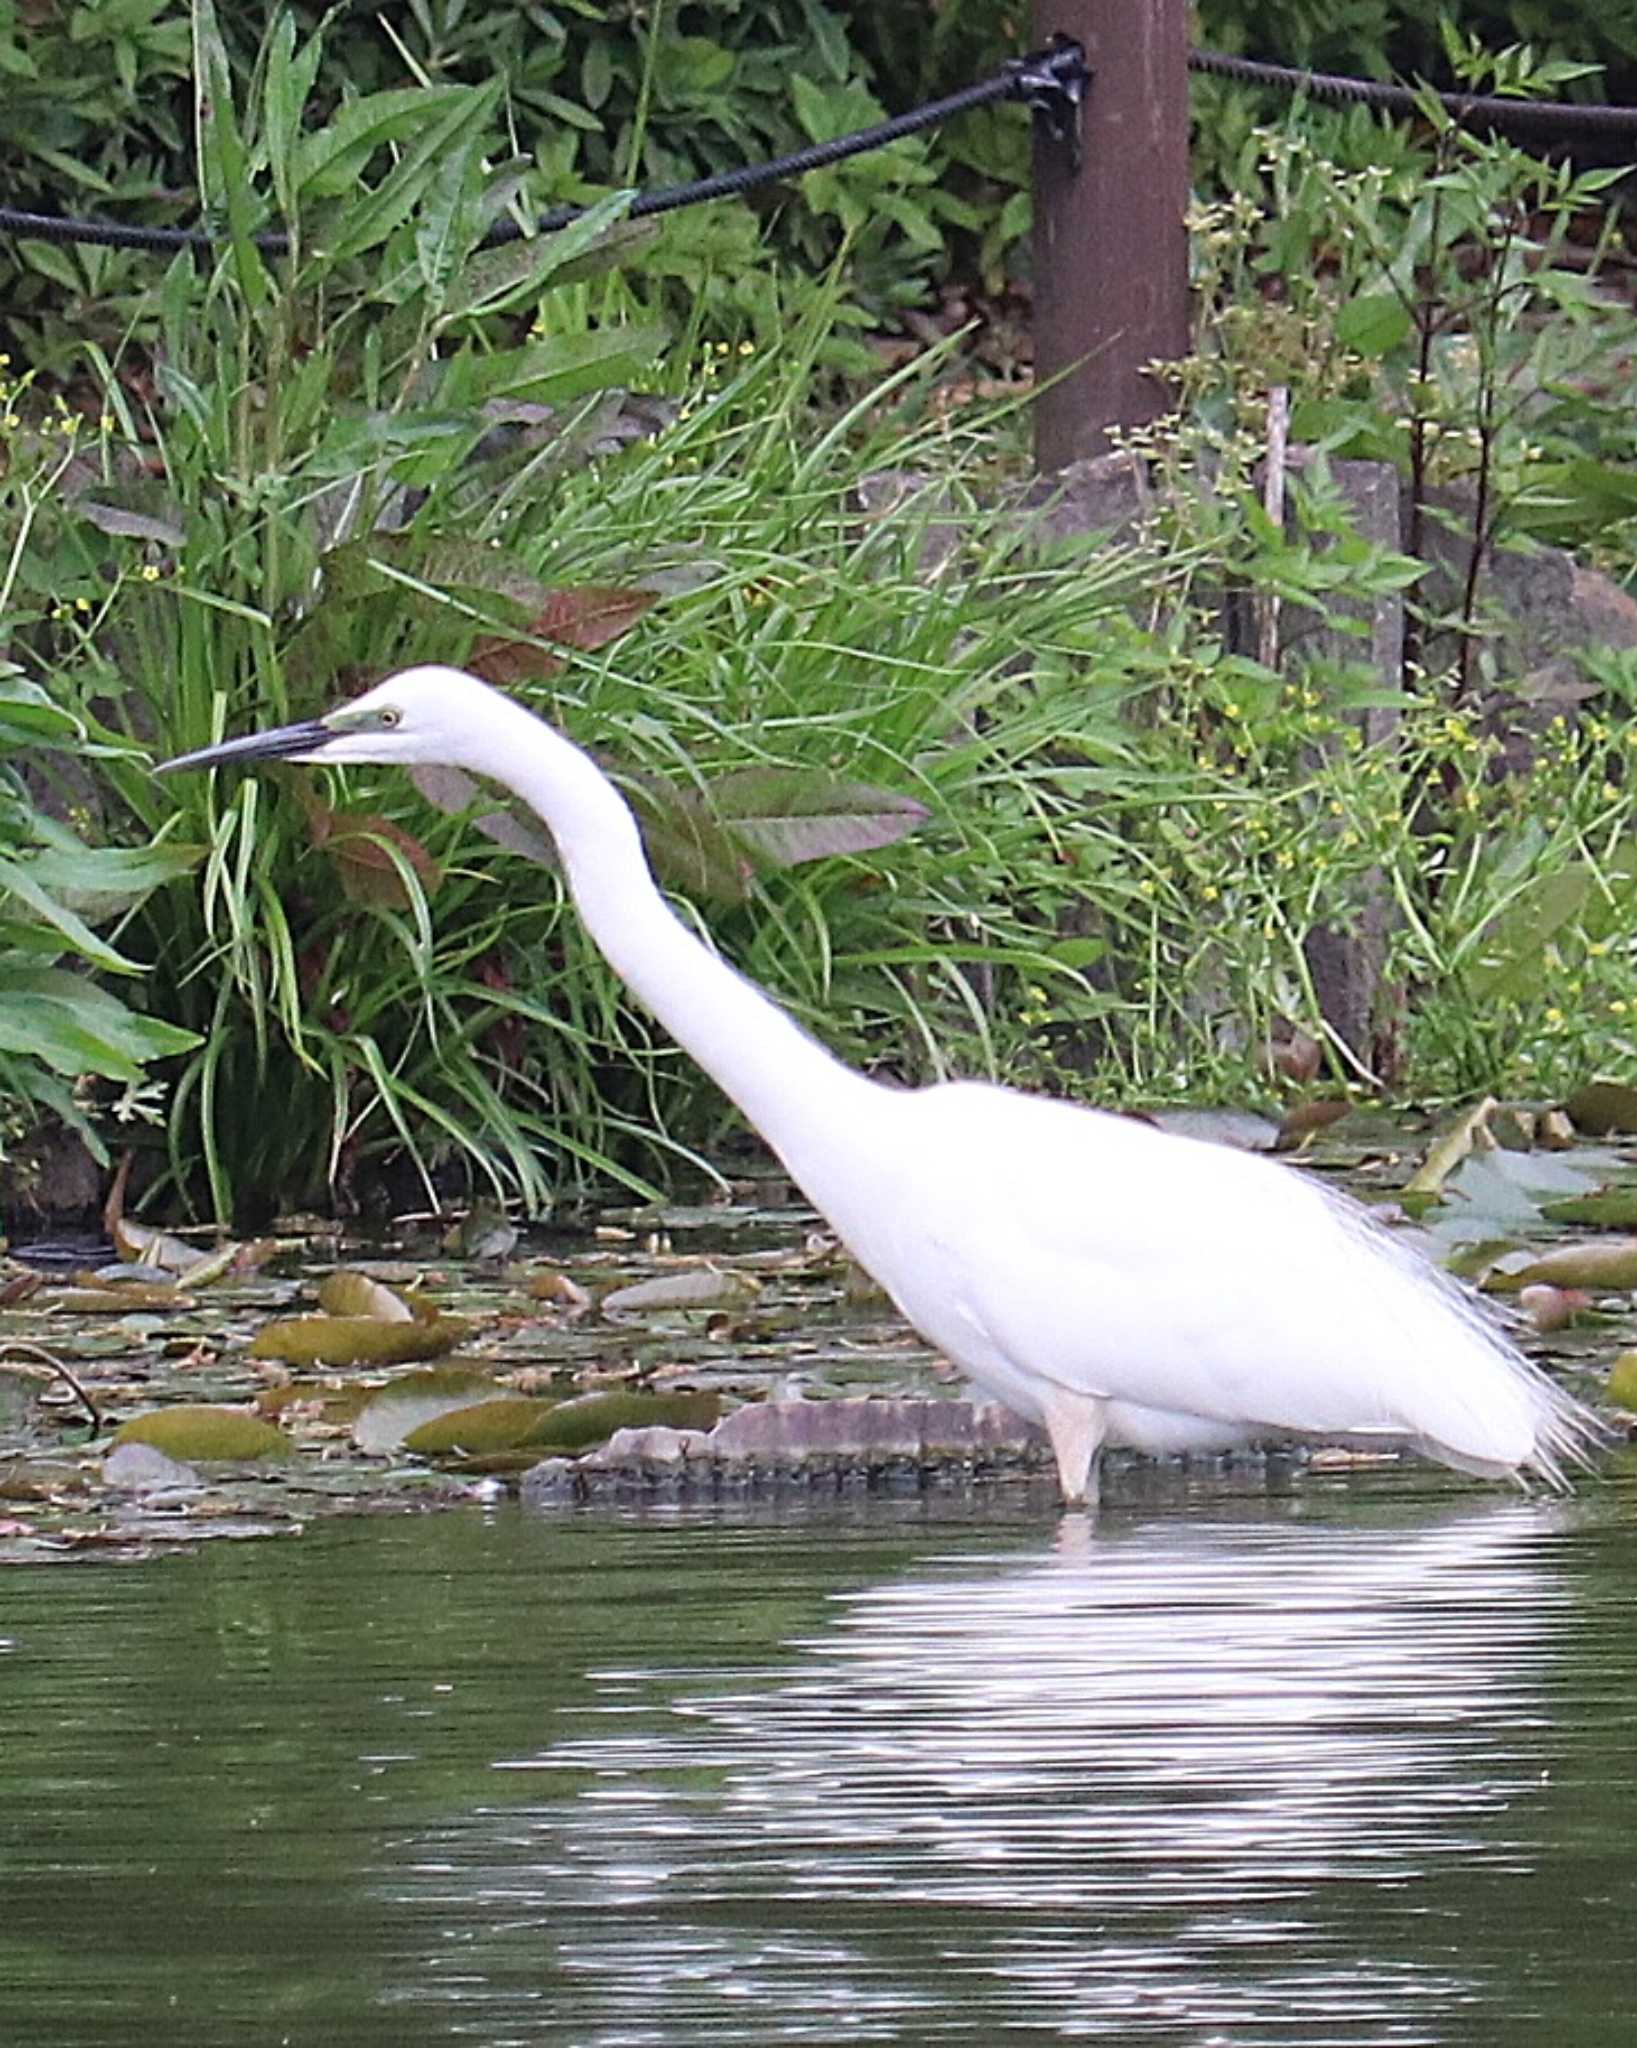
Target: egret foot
1076 1424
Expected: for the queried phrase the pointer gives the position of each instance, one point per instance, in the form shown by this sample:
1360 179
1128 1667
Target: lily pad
1602 1107
1605 1208
93 1297
1242 1129
699 1287
591 1418
188 1432
358 1340
396 1411
1622 1386
479 1427
1608 1265
347 1292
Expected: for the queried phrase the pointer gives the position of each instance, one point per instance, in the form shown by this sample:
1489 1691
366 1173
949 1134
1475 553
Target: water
1351 1769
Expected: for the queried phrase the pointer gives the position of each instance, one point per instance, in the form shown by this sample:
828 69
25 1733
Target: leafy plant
1433 305
59 1027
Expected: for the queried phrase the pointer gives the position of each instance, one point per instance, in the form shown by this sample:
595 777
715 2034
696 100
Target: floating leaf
1602 1107
91 1296
1242 1129
190 1432
358 1340
1605 1208
1608 1265
700 1287
394 1412
1466 1135
347 1292
1622 1386
480 1427
592 1418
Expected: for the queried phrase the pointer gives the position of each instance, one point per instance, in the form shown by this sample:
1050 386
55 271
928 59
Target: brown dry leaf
557 1288
1303 1119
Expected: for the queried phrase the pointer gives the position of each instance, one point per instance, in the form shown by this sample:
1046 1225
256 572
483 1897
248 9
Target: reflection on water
1348 1775
1173 1780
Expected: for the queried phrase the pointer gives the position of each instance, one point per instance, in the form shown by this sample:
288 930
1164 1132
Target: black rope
1538 117
1052 81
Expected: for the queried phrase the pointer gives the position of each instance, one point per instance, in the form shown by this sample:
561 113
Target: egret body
1108 1280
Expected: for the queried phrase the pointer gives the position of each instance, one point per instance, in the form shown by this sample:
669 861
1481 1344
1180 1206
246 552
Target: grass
1132 828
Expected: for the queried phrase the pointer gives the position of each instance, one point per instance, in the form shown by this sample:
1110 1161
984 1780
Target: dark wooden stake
1110 247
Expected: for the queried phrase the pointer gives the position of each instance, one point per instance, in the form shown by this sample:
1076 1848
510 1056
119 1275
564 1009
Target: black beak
279 744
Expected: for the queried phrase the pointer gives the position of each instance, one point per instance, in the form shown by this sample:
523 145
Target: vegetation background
734 497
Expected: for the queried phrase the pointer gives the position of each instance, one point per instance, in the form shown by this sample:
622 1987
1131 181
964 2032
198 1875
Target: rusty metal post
1110 245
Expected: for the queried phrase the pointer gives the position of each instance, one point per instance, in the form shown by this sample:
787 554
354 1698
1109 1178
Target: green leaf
330 161
548 371
290 78
19 878
224 169
1373 325
76 1028
372 216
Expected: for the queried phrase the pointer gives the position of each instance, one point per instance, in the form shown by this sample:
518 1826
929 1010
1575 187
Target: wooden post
1110 246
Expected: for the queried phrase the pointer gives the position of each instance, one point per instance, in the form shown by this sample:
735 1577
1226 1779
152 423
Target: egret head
421 714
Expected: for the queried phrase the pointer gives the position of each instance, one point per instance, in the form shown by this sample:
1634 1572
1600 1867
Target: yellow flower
150 573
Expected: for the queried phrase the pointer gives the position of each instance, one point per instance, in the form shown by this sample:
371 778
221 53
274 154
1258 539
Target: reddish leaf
504 662
588 617
790 815
453 790
360 843
689 850
592 616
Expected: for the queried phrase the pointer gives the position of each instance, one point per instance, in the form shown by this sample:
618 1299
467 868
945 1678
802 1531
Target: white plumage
1110 1281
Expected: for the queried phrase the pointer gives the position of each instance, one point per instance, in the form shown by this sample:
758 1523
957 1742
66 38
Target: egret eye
388 716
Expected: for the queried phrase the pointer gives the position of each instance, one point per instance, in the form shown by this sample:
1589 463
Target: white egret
1106 1279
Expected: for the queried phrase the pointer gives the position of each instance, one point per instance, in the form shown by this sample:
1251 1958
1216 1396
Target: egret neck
789 1087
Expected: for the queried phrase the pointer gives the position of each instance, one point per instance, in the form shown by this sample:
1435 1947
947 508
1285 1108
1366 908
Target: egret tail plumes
1110 1281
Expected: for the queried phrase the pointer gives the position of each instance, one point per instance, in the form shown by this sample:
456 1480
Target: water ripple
1170 1781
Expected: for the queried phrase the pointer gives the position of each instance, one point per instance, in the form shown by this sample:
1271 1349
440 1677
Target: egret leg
1076 1424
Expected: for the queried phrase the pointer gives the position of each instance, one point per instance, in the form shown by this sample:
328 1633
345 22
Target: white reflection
1167 1782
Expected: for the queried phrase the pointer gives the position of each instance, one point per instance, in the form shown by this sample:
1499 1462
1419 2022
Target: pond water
1350 1766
